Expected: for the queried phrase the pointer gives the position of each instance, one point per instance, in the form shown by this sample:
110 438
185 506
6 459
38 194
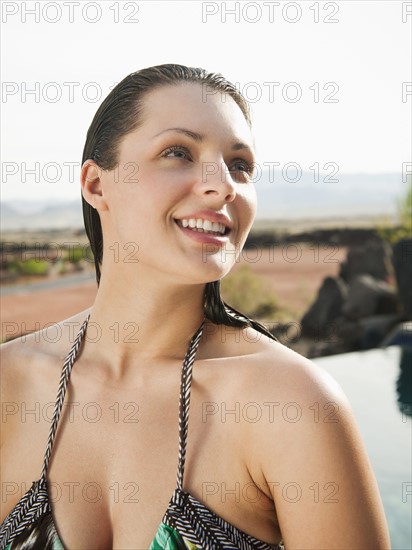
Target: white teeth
203 225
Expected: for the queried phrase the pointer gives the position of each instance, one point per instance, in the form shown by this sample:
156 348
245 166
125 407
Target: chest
114 465
114 470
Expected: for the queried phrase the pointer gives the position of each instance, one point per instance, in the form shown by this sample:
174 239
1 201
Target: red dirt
294 271
31 311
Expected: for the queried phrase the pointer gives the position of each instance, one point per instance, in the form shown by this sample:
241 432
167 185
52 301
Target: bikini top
187 522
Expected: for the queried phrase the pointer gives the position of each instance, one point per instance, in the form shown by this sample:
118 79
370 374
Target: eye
177 151
242 165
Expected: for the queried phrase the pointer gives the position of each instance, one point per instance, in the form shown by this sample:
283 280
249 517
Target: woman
273 453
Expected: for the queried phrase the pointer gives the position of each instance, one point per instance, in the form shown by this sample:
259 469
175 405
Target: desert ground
294 272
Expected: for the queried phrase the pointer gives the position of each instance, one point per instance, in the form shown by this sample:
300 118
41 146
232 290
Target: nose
216 179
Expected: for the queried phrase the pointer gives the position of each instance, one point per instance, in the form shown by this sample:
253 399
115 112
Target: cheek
247 207
145 200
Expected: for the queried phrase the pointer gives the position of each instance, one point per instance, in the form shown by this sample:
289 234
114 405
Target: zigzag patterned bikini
186 524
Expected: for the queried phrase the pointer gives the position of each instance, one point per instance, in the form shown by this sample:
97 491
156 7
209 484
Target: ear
91 181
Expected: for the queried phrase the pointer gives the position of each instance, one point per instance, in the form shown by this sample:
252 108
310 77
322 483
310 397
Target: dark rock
326 308
373 258
339 236
400 335
375 328
402 262
349 332
389 303
366 295
343 335
322 349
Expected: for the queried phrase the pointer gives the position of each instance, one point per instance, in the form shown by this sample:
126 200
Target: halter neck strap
61 392
185 387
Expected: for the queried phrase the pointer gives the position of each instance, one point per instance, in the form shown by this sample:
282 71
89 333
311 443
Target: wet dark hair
118 115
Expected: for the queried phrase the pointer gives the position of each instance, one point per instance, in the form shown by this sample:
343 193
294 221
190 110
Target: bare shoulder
275 391
265 367
31 364
288 373
305 449
301 400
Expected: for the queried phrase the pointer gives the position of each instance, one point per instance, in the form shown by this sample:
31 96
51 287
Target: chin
218 273
209 274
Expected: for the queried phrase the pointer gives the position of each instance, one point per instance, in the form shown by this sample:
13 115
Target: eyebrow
237 146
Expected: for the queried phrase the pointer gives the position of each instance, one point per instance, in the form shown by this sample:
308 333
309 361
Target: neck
149 321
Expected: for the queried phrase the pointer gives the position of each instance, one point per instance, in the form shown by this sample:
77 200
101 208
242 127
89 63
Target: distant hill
16 216
353 195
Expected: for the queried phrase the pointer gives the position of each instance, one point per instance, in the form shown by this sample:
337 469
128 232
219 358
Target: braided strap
185 386
61 392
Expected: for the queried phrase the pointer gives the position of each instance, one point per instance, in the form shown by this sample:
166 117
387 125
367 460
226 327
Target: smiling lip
206 238
212 216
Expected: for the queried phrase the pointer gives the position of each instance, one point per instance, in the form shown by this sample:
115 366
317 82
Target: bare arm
318 471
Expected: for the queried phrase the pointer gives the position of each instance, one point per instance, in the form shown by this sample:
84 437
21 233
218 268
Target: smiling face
181 195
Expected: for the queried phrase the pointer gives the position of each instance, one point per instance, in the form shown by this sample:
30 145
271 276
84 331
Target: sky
328 82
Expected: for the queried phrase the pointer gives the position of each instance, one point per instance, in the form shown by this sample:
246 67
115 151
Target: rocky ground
296 265
295 273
